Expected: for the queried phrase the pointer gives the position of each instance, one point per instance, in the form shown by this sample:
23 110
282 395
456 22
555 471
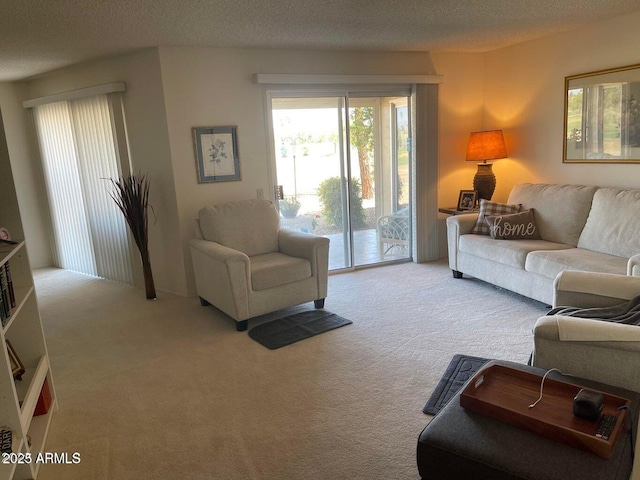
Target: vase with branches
131 194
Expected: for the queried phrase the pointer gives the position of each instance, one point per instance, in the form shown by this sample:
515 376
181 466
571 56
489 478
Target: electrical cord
542 384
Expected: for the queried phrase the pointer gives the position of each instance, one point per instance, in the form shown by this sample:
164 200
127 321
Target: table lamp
483 146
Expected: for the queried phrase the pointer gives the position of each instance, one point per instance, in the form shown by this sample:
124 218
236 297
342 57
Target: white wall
27 174
214 87
461 112
524 95
24 217
520 89
149 147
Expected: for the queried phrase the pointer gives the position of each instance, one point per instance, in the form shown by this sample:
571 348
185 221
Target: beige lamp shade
483 146
488 145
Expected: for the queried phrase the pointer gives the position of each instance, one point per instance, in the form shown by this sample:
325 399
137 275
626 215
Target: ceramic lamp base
484 181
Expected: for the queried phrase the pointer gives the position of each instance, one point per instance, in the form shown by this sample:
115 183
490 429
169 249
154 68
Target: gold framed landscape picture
602 116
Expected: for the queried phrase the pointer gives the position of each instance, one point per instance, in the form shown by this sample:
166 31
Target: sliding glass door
78 151
342 165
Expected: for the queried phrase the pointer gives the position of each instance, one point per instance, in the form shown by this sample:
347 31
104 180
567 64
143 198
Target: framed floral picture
216 151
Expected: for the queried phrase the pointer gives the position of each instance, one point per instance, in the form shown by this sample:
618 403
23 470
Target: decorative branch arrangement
131 195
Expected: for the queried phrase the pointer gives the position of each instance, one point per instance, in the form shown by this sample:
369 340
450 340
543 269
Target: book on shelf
4 295
6 438
3 316
12 293
44 400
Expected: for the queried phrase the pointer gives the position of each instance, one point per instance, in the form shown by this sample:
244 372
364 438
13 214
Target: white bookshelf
23 328
18 398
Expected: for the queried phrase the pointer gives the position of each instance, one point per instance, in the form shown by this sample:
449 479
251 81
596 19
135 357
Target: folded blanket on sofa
571 324
627 312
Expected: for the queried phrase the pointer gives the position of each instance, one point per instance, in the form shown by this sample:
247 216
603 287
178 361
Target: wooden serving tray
505 394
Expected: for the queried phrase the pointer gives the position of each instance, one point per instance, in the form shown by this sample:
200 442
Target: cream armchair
246 266
595 349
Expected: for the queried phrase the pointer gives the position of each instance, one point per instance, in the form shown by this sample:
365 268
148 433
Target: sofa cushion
613 225
488 208
508 252
561 210
513 227
250 226
550 263
275 269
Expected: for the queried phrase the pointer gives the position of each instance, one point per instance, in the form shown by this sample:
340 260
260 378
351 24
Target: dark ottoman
460 444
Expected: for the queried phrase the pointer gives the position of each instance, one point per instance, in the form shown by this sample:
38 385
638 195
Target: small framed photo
467 199
17 368
216 151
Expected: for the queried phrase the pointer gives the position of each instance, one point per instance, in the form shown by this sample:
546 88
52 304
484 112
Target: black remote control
605 426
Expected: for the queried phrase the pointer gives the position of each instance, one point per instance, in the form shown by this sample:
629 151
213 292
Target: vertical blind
78 155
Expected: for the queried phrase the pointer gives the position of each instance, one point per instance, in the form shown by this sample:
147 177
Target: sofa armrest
218 252
578 329
230 292
458 225
314 248
591 289
633 266
611 362
302 245
463 223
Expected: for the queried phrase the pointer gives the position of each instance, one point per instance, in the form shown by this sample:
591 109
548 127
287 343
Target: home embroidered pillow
488 208
515 226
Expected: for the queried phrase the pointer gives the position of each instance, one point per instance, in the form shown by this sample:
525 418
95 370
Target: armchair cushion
249 226
275 269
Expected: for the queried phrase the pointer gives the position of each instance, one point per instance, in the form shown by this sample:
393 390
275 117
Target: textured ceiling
37 36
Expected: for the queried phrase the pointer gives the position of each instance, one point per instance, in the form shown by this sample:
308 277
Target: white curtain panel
78 155
98 162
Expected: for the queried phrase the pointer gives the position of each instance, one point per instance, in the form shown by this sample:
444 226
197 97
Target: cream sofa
583 228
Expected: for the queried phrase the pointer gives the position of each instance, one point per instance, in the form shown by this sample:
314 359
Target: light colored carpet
168 389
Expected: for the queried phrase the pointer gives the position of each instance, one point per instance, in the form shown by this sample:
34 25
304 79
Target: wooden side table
455 211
